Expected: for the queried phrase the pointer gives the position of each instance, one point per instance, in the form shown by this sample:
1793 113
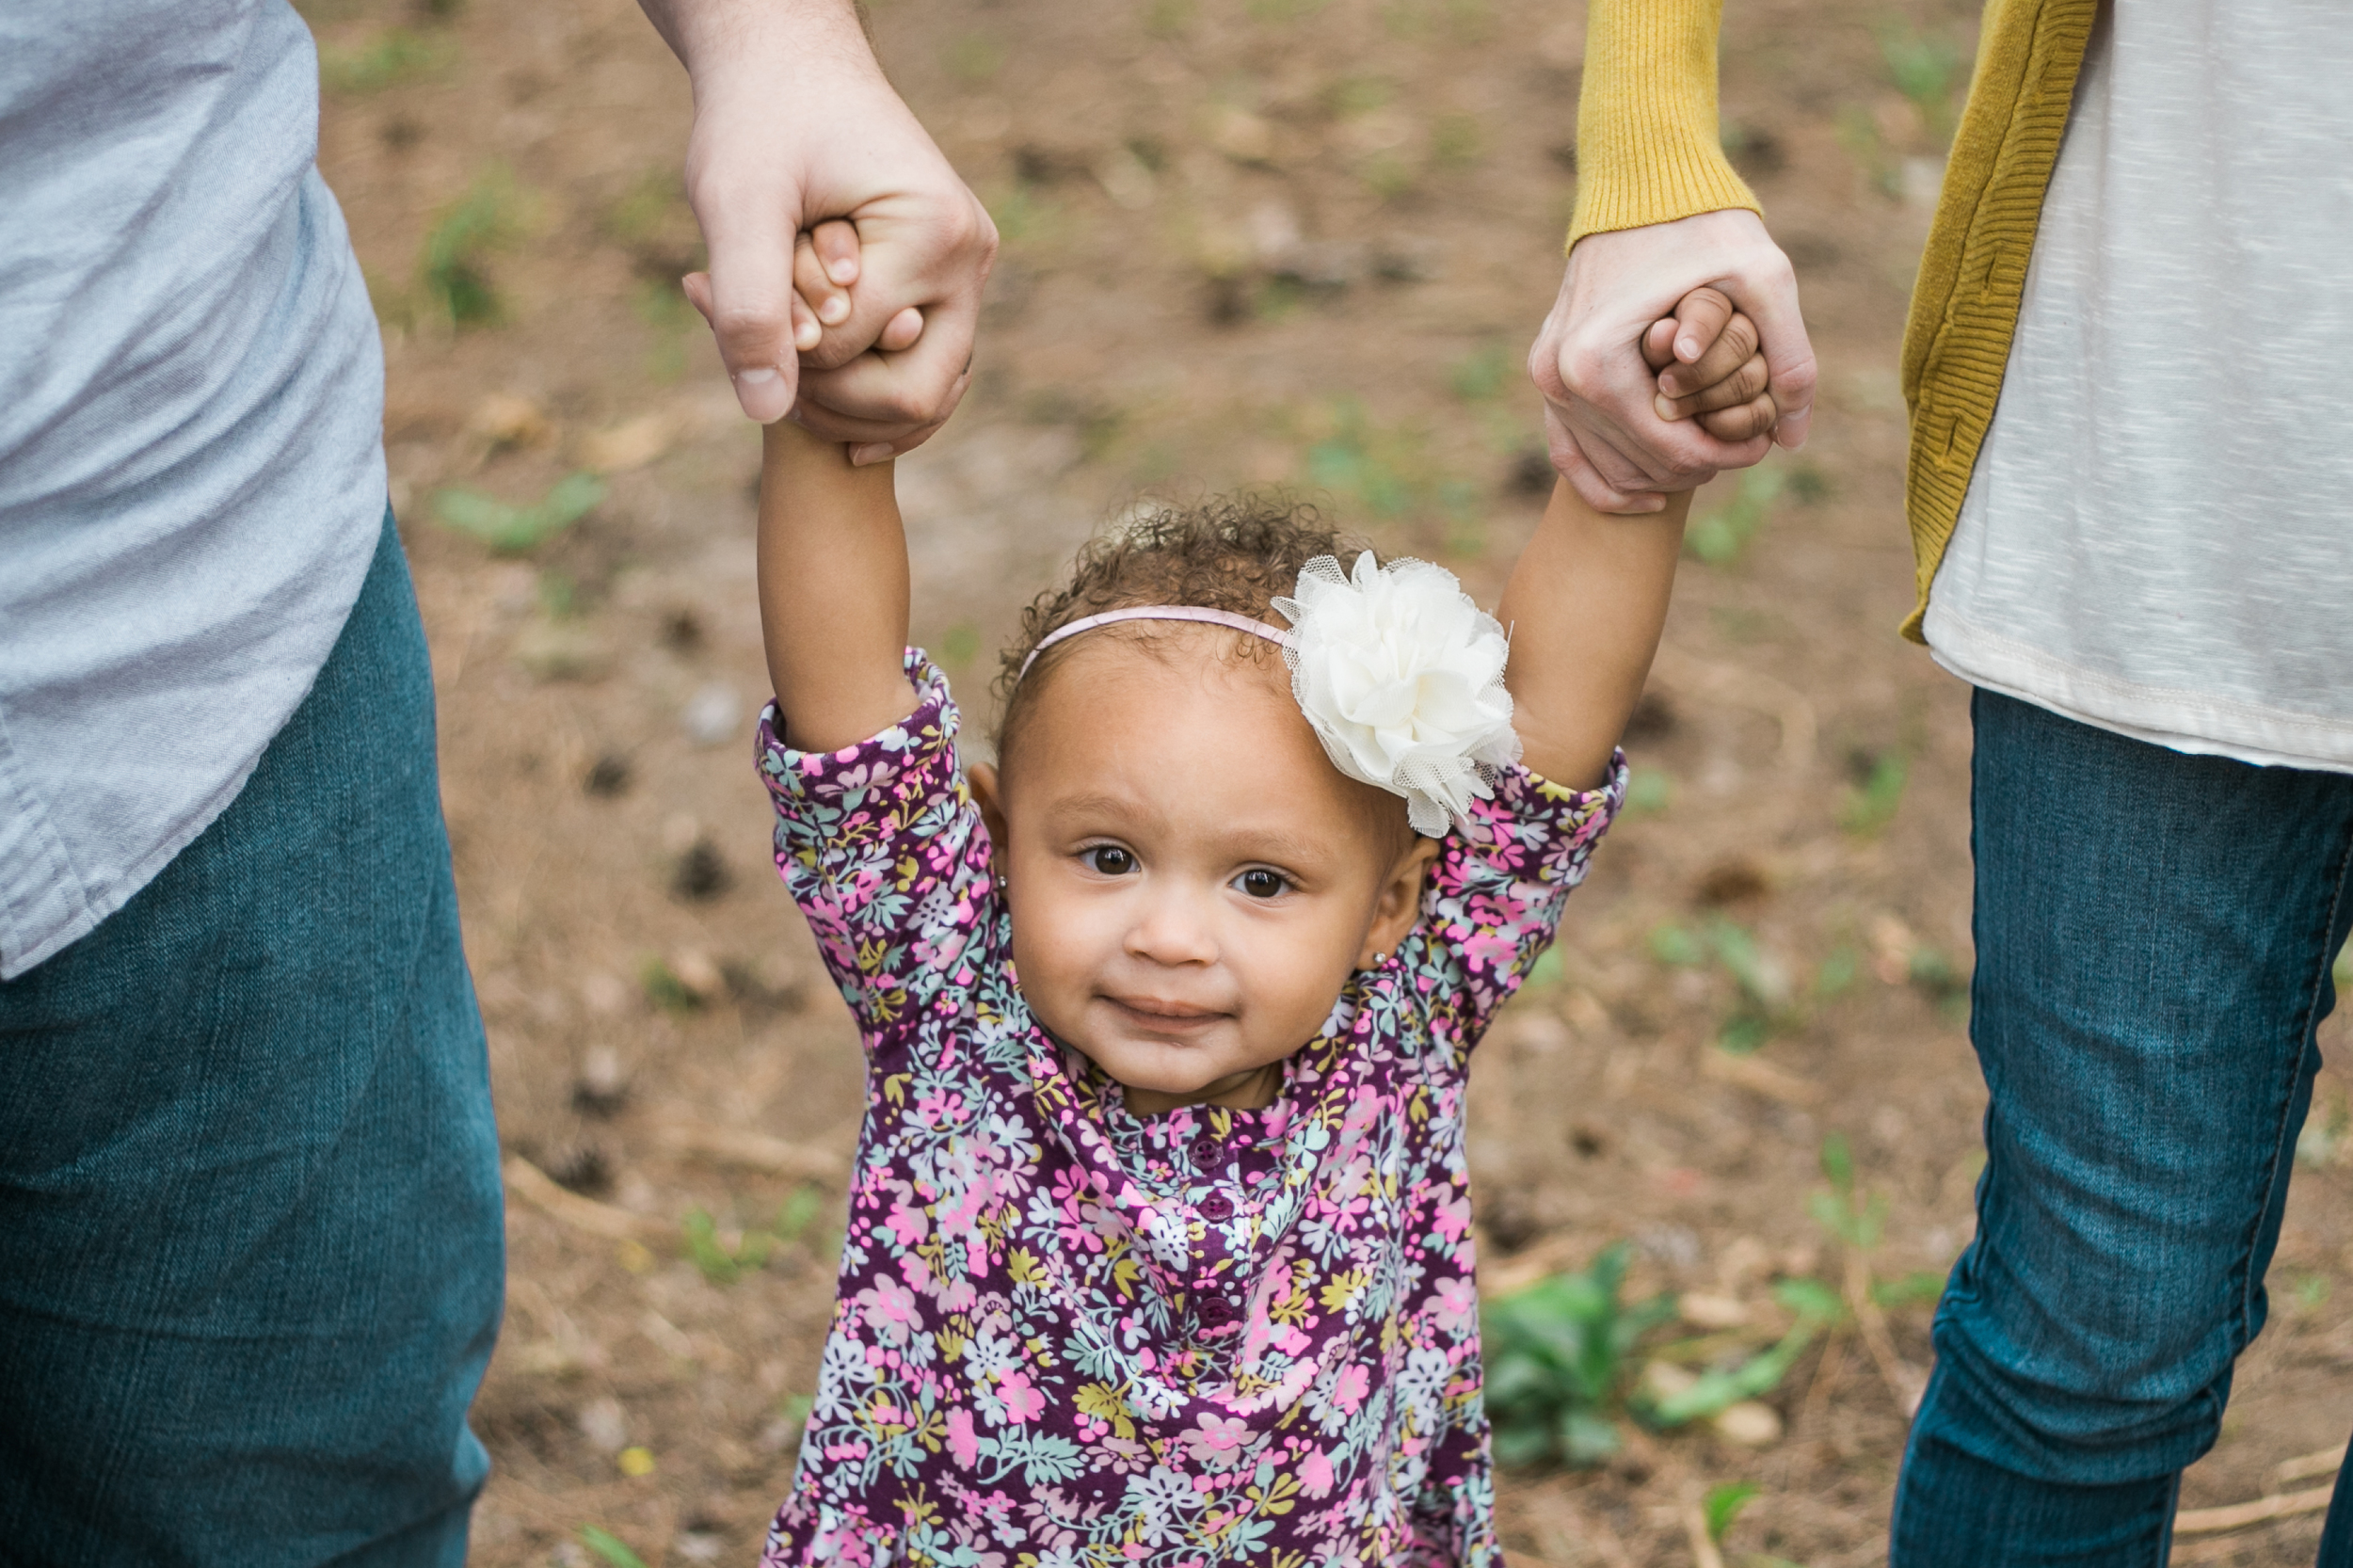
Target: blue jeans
2155 932
251 1247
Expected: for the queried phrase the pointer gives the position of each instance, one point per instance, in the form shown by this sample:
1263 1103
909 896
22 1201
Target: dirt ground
1246 240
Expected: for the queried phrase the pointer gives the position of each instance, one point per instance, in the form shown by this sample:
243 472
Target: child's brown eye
1262 883
1110 860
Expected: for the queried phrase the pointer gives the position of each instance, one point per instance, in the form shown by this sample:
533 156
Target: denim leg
2155 932
251 1247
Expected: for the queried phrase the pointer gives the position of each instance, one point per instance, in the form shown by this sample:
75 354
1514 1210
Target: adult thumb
747 298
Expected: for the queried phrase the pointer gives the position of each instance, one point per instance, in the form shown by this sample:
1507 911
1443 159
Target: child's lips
1159 1016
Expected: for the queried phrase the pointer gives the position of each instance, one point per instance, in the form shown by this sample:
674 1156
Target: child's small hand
1709 368
824 270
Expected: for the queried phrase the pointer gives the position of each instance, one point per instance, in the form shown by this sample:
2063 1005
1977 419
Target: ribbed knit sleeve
1648 148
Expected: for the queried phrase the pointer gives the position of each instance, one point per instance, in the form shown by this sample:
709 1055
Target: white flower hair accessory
1402 676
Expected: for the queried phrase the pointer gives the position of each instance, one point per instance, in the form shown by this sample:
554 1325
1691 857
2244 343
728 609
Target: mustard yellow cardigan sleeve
1648 146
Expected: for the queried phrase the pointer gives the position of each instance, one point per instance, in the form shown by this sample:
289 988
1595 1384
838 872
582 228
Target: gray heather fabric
191 406
2158 538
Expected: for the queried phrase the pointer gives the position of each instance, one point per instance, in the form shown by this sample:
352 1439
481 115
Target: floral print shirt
1066 1334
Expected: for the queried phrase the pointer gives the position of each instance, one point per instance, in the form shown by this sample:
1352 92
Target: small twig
1758 1077
1903 1379
543 1193
752 1150
1704 1552
2323 1462
2205 1521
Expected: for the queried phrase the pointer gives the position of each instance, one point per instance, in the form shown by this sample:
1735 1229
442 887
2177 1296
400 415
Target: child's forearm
1584 607
833 591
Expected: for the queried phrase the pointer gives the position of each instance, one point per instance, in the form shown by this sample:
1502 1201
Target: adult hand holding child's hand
1608 434
794 124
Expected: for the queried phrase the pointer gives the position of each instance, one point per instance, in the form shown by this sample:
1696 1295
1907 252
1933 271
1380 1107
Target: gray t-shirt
191 446
2158 536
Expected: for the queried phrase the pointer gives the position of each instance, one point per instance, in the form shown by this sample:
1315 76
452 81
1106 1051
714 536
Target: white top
2158 536
191 434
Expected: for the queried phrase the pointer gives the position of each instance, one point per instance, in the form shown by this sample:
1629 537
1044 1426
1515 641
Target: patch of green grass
973 59
1837 972
512 529
1559 1355
1928 69
1168 19
641 213
1480 376
960 644
1457 140
1354 95
718 1261
664 989
1389 175
1648 791
1871 802
1859 134
611 1548
452 270
394 55
1722 1505
1720 536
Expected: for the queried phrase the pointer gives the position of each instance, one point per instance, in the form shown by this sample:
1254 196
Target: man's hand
794 125
1602 419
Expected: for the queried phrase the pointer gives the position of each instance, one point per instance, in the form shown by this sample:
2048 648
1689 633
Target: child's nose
1174 928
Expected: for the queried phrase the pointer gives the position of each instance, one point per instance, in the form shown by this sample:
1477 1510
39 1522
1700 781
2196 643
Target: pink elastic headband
1156 612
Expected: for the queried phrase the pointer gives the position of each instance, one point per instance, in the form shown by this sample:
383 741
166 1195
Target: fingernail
843 271
807 336
757 377
834 310
1688 348
1664 407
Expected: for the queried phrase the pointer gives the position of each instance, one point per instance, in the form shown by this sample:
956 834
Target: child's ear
1398 905
988 791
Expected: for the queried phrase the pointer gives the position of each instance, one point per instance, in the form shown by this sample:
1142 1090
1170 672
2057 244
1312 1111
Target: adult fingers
1771 301
1569 458
749 296
1699 317
1733 348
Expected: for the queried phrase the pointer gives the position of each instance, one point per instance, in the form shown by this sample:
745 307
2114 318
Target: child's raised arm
833 591
1584 608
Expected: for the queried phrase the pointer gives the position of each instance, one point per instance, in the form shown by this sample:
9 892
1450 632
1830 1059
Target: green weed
1479 375
1456 140
1722 1505
973 59
512 529
1559 1355
1927 69
664 989
451 269
960 644
1720 1388
1837 972
1720 536
1866 807
1762 985
610 1546
392 56
720 1263
1648 791
1859 134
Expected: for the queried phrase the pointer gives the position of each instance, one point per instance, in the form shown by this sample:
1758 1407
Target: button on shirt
191 410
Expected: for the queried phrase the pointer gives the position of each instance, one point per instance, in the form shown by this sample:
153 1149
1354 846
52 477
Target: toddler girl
1158 1247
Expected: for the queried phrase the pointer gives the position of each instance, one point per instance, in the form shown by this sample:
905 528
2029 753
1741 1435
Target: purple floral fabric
1068 1334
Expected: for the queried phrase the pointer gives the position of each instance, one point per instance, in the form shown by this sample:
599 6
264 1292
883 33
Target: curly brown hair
1236 552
